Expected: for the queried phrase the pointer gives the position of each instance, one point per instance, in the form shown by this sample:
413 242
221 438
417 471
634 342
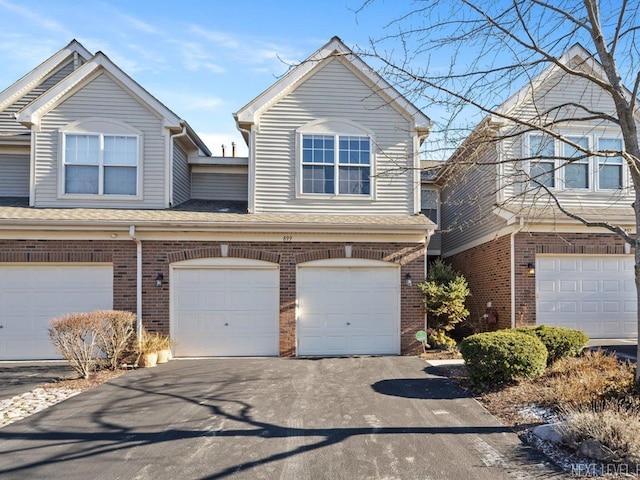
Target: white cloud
183 101
139 24
196 58
35 18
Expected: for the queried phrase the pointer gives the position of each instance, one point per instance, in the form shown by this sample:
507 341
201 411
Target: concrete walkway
270 418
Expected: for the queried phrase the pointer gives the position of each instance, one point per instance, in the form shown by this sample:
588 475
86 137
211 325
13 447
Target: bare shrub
114 335
75 337
614 425
593 377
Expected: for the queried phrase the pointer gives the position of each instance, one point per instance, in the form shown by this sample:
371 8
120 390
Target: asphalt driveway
334 418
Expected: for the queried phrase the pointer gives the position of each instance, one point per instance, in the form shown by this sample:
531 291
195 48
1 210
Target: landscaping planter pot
164 356
148 360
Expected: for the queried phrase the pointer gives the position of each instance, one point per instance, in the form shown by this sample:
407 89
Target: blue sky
203 59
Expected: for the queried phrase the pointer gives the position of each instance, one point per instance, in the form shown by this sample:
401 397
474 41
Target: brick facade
158 255
121 254
487 268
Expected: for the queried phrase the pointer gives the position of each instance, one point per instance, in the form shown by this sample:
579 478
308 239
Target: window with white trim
100 164
610 169
430 204
336 164
542 164
576 173
556 164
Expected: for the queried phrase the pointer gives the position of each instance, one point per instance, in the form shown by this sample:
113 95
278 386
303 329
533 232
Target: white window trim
557 179
593 136
558 145
437 202
349 128
106 127
596 166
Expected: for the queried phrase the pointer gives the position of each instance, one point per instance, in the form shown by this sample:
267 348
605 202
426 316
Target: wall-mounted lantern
408 281
159 280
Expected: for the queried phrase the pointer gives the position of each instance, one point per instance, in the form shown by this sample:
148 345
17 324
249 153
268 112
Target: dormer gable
334 49
74 52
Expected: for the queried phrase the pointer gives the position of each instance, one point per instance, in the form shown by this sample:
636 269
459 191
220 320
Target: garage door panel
32 295
604 294
225 310
348 310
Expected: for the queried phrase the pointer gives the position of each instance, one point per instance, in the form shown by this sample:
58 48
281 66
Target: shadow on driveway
269 418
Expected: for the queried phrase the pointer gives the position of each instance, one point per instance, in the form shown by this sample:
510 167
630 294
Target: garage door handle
226 324
348 323
1 326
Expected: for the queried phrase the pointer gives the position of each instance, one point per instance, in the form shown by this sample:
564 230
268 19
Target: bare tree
493 50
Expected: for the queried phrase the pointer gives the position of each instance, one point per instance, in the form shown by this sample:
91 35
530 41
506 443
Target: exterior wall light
407 280
532 269
159 280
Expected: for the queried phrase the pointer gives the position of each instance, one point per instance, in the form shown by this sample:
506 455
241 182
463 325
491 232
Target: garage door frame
538 299
220 263
108 305
336 263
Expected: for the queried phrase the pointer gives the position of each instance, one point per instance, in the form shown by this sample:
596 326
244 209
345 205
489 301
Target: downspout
132 234
171 140
513 271
430 233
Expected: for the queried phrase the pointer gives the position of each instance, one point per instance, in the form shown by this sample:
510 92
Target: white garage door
225 307
32 294
595 294
347 307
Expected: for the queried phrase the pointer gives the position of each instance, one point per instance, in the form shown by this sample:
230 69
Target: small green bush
504 356
560 341
439 339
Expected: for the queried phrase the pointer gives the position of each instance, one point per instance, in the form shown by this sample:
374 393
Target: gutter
132 234
513 271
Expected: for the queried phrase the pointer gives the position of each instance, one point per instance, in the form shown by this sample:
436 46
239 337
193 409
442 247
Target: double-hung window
336 164
100 164
542 160
610 169
576 172
430 204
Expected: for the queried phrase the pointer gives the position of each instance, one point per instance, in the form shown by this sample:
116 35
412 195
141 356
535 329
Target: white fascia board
250 113
32 113
32 79
365 229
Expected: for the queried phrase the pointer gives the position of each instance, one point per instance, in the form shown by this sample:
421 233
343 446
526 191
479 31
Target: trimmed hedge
560 341
504 356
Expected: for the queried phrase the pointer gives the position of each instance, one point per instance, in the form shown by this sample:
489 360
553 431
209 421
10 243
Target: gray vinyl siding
8 122
562 89
467 204
14 175
334 92
435 244
181 176
219 186
103 98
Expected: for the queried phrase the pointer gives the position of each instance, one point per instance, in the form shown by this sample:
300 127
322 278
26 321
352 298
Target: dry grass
572 382
611 423
593 377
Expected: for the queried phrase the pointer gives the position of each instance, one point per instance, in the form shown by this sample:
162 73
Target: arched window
100 157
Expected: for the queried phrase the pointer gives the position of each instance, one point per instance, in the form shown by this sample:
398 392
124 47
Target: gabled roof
32 79
335 48
588 61
32 113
